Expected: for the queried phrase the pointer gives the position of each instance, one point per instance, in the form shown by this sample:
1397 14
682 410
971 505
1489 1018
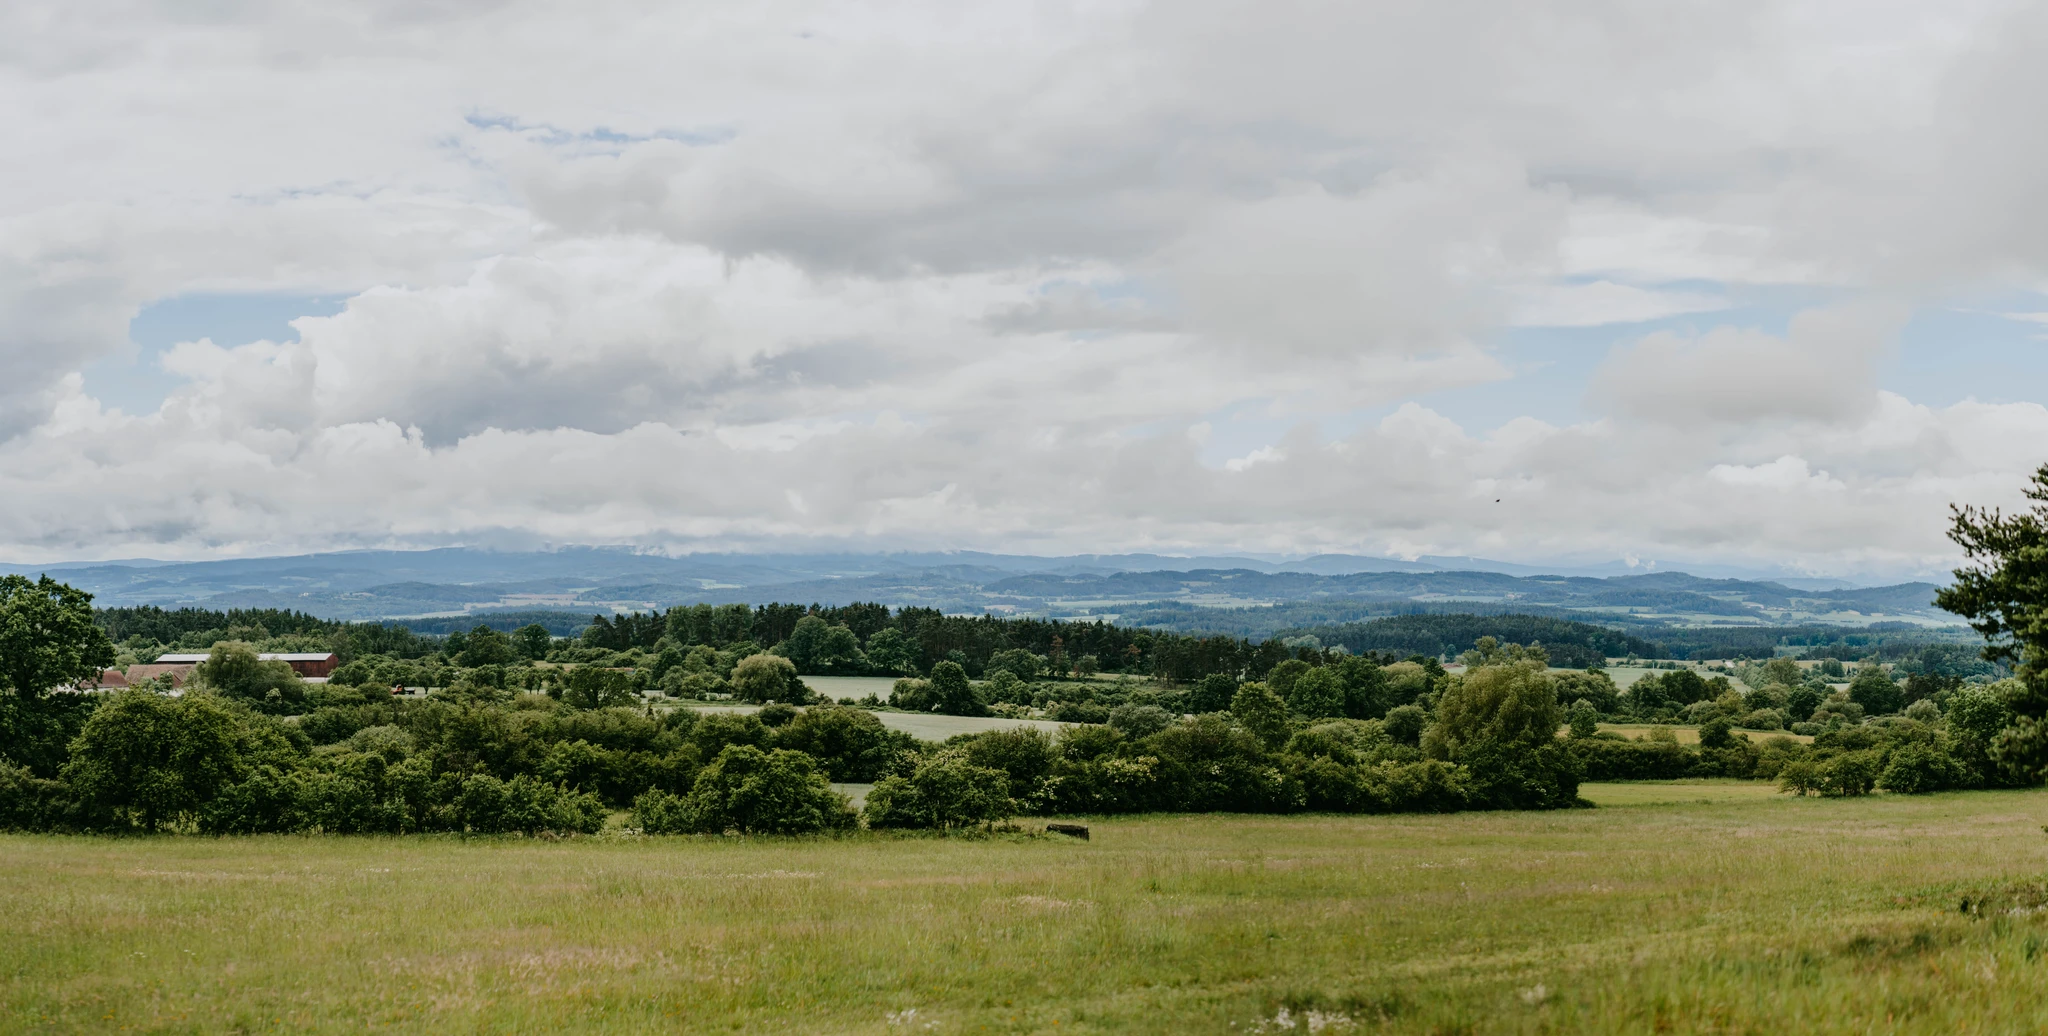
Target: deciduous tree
47 637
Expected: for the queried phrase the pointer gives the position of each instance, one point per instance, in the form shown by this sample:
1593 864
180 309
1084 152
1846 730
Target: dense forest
930 636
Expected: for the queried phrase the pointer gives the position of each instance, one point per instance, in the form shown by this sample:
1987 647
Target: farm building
304 663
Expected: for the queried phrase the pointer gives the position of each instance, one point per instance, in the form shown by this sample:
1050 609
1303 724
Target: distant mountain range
459 581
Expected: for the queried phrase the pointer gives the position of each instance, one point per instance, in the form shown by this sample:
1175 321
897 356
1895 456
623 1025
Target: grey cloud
1823 370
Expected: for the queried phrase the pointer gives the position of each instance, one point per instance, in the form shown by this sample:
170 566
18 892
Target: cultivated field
930 726
856 687
1705 907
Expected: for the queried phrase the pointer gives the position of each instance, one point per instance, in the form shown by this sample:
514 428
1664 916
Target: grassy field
855 687
1682 908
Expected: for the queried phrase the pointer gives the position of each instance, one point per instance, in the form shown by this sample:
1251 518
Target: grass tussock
1684 910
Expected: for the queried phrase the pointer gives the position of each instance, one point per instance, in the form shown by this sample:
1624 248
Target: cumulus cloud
692 275
1823 369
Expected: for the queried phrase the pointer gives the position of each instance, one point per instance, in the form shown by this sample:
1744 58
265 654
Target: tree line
247 747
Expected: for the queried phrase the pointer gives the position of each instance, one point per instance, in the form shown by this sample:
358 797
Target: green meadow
1675 907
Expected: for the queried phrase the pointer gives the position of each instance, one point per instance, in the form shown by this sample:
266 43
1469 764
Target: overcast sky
1722 282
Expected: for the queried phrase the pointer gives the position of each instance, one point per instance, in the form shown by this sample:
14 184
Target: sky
1758 284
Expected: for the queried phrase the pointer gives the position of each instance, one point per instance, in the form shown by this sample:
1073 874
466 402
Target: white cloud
1822 370
696 274
1604 302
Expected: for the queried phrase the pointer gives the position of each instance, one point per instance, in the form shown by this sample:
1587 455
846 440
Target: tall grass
1737 914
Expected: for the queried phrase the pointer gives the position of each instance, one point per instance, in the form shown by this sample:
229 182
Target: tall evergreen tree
2004 594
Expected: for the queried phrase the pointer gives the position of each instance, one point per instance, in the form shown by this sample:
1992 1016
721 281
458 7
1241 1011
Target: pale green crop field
856 687
1624 675
1710 907
928 726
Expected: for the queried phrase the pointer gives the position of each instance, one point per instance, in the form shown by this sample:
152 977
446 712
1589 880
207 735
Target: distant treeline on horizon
1119 647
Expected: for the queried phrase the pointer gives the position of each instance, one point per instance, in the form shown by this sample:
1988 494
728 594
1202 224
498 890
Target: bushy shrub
266 801
713 731
946 791
1213 694
1611 758
1801 700
1280 679
1917 768
1800 777
1405 723
1138 721
1316 694
1203 764
748 790
1584 720
1258 709
390 743
1108 784
350 674
1849 774
27 802
1406 681
765 678
1346 740
1332 785
597 687
1344 766
234 670
1714 733
1595 688
325 726
952 694
816 648
850 744
1702 712
1024 665
1837 712
1429 786
913 695
1874 690
1004 688
696 685
487 805
1078 712
658 812
1735 757
1763 719
1025 754
148 761
582 766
